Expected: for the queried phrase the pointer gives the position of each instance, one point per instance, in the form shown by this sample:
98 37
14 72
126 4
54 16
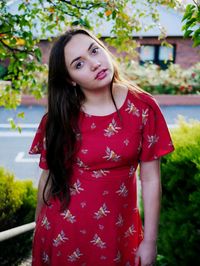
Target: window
157 54
147 53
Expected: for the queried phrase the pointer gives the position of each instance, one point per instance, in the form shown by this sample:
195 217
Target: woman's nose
95 65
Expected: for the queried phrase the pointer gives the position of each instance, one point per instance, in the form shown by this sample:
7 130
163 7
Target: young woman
97 130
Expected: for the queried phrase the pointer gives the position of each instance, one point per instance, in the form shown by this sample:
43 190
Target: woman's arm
151 194
41 185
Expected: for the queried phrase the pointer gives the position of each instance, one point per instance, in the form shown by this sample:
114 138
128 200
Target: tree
191 18
22 29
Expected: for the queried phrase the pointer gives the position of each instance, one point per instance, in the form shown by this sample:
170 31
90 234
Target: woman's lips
101 75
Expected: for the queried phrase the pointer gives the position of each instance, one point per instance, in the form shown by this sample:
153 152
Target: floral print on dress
93 126
45 223
111 155
120 221
84 151
112 129
145 114
75 255
76 188
132 109
61 238
35 149
126 142
118 257
152 140
131 171
45 258
103 211
81 164
131 230
100 173
68 216
123 191
96 241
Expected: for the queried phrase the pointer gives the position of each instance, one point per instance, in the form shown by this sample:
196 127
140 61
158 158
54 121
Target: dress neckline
115 112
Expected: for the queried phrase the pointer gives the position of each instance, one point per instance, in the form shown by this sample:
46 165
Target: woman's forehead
80 42
77 46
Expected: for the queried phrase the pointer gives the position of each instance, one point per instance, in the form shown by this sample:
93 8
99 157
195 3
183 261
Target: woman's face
88 64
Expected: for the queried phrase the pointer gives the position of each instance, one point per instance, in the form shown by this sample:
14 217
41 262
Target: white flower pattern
61 238
75 255
76 188
132 109
103 211
123 191
96 241
112 129
111 155
152 139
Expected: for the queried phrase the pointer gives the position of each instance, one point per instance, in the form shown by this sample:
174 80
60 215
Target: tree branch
56 7
196 3
13 50
86 7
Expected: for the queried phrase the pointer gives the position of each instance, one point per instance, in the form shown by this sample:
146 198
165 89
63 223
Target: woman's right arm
41 185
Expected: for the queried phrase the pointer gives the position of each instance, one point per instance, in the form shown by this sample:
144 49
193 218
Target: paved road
14 146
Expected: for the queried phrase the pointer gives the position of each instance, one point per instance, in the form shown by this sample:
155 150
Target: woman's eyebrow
90 46
77 58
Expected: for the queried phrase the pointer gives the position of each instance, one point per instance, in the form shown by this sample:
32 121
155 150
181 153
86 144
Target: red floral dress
102 225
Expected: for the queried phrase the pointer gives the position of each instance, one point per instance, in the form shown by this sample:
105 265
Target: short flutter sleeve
39 143
156 140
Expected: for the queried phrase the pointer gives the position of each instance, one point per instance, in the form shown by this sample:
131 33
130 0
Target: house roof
170 19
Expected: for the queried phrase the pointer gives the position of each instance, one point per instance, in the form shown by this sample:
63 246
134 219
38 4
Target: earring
73 83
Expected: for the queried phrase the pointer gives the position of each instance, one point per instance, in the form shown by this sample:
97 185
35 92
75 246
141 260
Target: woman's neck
100 102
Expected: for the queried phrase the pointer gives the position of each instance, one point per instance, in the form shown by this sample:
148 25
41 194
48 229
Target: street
14 146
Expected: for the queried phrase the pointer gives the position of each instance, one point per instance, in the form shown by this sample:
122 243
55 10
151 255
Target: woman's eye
95 50
79 65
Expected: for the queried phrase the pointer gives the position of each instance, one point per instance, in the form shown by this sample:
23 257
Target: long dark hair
64 103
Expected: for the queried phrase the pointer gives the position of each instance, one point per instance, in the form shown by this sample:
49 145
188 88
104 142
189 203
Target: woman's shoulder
142 99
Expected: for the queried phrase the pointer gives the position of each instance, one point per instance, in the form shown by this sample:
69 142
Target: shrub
179 222
17 207
173 80
3 71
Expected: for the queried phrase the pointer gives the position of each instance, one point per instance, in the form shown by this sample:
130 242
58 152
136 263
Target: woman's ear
73 83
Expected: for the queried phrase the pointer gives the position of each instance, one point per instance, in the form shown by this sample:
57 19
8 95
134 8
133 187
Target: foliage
191 19
173 80
22 29
179 222
3 71
17 207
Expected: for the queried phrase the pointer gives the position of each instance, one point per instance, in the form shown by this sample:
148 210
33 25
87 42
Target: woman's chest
109 142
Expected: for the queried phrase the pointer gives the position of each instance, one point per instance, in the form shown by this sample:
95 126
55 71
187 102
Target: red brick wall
45 47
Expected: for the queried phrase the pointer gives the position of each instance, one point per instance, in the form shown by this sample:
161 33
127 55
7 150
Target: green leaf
196 42
188 12
38 54
75 23
12 123
188 33
20 115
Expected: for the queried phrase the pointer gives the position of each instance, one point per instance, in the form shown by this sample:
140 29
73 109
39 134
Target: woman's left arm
151 194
